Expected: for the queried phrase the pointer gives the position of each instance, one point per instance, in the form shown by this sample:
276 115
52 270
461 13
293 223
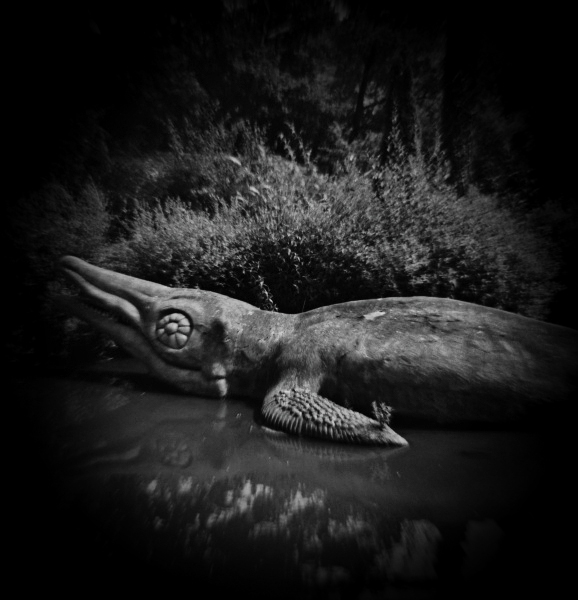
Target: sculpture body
329 372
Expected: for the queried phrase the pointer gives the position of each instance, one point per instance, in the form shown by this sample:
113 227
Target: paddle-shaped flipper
302 412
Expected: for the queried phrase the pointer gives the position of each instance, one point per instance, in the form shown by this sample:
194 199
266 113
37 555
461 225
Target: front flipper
302 412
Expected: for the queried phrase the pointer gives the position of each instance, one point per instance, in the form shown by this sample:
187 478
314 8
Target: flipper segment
301 412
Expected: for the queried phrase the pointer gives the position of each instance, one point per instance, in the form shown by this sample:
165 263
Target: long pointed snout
125 308
130 288
124 298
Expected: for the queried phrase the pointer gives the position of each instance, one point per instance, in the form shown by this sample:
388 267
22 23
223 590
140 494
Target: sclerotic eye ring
174 329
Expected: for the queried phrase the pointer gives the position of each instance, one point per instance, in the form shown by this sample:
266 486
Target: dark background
63 62
90 83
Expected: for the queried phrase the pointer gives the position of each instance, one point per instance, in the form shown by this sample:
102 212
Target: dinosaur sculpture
334 372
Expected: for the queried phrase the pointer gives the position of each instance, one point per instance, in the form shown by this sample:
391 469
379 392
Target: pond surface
124 484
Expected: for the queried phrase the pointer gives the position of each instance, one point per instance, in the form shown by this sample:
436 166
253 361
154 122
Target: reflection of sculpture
326 372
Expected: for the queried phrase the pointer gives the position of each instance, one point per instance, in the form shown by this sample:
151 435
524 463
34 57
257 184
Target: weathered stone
335 372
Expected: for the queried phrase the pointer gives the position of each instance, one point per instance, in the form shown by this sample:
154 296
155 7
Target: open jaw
117 305
112 302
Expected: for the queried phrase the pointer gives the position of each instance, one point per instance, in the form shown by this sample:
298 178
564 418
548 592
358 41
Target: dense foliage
291 157
297 240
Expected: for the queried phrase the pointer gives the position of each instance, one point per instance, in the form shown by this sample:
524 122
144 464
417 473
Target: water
142 487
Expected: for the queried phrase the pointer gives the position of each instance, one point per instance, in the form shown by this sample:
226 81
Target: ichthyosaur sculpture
334 372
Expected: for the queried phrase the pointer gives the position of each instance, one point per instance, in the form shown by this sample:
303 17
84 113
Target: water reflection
194 488
282 531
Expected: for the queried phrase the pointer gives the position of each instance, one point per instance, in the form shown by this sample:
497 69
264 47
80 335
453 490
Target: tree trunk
358 114
452 110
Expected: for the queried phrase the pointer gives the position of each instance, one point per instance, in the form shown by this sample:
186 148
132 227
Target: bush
56 220
288 239
197 169
296 240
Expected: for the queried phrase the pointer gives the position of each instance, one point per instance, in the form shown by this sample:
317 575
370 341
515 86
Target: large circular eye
174 329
